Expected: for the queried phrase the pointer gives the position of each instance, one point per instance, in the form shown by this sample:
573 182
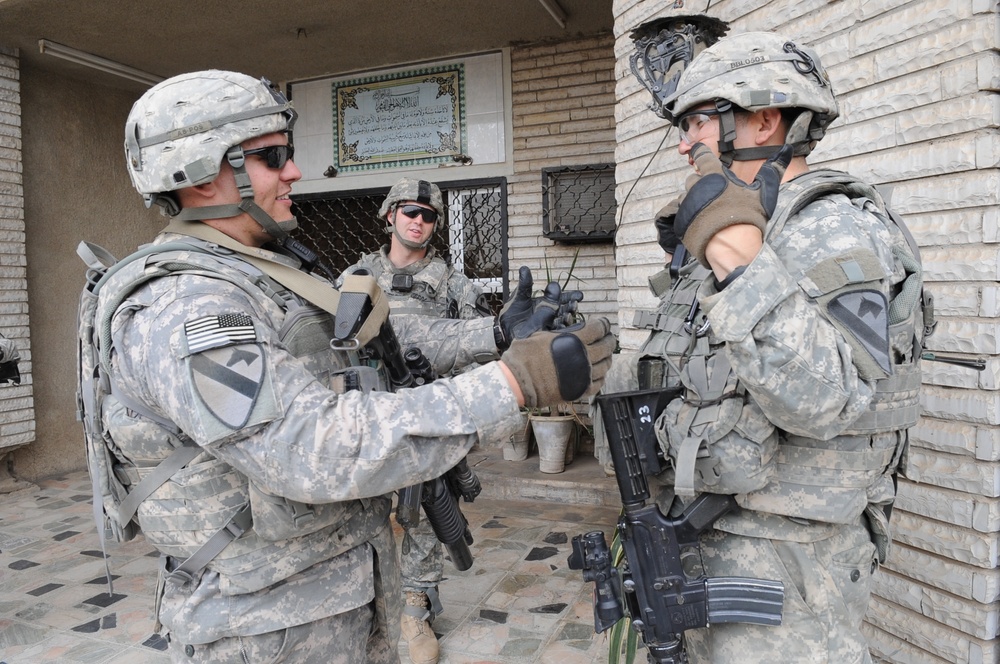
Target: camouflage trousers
828 584
421 559
346 638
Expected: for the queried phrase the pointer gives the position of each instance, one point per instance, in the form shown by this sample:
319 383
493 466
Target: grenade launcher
439 497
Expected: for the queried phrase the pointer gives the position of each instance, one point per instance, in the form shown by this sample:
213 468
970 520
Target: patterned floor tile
517 604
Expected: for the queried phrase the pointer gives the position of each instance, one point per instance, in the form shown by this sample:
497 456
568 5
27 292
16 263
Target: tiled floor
518 604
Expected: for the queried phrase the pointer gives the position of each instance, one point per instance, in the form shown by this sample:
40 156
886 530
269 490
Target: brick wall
563 115
917 84
17 417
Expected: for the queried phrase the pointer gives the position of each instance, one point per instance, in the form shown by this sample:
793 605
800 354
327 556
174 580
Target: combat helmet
420 191
753 71
179 131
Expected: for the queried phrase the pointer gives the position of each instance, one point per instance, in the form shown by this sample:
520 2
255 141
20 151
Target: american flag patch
218 331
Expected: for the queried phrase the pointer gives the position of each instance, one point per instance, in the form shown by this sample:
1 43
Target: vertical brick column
563 115
17 417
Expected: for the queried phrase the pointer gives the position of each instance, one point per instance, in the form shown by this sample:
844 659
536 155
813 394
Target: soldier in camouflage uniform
791 317
9 358
417 281
274 534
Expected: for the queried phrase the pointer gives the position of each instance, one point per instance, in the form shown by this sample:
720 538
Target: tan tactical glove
718 199
555 367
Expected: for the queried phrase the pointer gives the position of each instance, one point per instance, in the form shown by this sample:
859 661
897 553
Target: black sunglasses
276 156
412 211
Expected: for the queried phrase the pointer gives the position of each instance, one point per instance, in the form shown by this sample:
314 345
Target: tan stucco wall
75 187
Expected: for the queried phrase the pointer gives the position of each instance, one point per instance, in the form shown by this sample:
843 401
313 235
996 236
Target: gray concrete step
583 482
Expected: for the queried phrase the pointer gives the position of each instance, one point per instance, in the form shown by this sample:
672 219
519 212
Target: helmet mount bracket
664 47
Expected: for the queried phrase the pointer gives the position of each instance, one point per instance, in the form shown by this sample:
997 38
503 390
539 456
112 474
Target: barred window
578 203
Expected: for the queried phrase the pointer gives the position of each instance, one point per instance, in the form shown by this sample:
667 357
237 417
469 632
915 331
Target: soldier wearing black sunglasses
256 457
418 281
275 156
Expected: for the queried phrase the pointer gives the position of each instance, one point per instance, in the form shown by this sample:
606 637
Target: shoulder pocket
849 288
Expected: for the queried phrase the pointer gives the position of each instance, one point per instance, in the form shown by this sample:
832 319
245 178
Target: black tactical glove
523 315
664 222
8 351
8 362
553 367
554 310
718 199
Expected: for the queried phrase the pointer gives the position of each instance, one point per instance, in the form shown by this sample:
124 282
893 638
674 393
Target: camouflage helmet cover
758 70
178 132
407 189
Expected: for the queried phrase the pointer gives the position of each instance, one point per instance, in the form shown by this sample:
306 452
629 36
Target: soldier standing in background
419 282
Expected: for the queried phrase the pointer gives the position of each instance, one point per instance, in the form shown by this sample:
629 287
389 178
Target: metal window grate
578 203
342 226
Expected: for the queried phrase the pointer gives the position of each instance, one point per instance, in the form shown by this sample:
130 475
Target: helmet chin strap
409 244
276 229
797 137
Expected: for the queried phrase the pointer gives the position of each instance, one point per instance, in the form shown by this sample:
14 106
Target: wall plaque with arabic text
410 118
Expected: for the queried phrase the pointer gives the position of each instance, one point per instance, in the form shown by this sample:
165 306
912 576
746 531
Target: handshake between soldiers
553 354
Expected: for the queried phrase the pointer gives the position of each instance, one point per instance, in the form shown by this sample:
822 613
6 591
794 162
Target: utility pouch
650 373
276 518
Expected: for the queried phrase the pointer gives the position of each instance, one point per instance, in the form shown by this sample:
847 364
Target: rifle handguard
360 305
448 522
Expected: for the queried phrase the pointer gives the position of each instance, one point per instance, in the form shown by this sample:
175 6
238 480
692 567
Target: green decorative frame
399 117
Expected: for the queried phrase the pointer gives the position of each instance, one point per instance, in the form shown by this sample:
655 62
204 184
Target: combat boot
416 627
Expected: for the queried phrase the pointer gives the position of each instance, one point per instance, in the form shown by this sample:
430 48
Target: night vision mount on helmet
666 45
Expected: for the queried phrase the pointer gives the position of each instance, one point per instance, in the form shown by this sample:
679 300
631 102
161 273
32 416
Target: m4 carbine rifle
661 598
439 496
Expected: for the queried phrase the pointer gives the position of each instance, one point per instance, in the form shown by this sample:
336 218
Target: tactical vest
426 292
207 500
718 440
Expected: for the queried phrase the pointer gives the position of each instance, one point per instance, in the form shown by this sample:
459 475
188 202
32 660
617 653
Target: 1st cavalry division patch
227 366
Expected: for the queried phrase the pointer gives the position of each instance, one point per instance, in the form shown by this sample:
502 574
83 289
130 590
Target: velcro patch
864 315
228 381
218 331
